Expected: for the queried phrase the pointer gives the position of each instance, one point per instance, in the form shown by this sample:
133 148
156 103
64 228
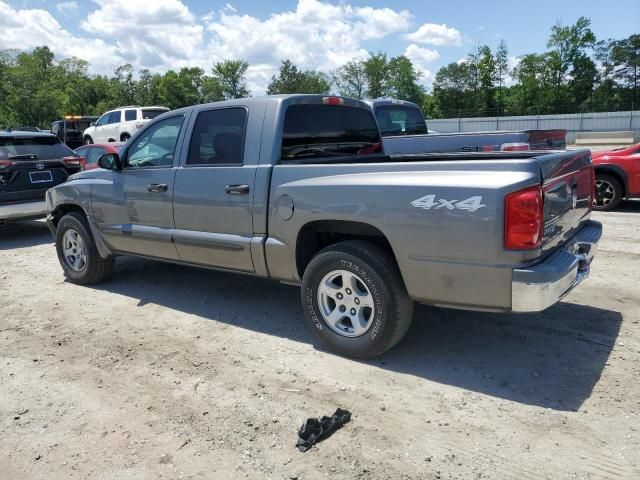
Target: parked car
92 152
287 187
617 176
71 128
30 163
120 124
404 130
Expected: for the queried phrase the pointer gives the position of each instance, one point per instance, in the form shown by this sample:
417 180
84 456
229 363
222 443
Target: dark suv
31 163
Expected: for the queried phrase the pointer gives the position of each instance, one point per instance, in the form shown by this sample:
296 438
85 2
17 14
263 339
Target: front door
212 200
100 130
134 211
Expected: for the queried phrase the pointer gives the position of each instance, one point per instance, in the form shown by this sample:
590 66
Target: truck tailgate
567 186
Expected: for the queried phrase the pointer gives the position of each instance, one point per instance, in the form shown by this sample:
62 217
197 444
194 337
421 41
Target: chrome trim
15 211
538 287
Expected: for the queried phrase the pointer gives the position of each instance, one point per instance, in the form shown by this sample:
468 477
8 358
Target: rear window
397 120
43 148
323 131
150 113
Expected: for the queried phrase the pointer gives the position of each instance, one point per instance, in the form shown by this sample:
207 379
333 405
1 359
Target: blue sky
316 34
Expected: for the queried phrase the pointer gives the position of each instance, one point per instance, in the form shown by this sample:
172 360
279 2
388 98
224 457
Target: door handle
236 189
157 187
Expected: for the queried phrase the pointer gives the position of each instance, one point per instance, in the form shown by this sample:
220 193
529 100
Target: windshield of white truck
396 120
323 131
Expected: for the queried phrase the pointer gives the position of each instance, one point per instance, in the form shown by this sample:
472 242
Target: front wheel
77 252
354 299
608 192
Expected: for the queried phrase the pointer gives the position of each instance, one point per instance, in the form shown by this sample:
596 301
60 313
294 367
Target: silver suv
120 124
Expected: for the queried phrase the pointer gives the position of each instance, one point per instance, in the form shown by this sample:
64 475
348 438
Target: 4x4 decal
428 202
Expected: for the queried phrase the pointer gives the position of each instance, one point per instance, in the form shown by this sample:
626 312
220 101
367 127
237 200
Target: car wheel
88 140
77 252
125 137
608 191
354 299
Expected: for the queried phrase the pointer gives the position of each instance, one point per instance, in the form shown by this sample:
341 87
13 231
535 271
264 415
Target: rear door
133 209
213 190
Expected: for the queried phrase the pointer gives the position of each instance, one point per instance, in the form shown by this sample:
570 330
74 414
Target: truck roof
378 102
22 133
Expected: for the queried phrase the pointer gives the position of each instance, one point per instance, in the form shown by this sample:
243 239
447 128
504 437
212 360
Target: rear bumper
538 287
23 211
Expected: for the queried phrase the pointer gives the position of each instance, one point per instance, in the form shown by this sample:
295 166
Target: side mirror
92 124
110 161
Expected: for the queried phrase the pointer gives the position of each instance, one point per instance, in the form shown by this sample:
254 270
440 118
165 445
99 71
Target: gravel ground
173 372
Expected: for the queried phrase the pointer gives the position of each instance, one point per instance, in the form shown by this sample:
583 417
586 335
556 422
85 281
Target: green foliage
292 80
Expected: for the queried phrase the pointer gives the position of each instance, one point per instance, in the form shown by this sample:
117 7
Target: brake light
74 161
515 147
333 100
523 219
6 163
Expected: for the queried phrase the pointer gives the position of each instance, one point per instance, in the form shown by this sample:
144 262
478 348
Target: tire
125 137
94 268
88 140
378 282
608 192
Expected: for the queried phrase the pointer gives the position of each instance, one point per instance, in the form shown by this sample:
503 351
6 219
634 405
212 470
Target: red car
91 153
617 176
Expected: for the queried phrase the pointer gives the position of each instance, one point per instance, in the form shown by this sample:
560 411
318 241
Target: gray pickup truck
296 188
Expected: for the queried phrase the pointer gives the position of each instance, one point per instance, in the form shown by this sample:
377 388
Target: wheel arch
319 234
616 171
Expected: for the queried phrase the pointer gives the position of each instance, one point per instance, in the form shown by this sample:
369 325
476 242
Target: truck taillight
523 219
73 161
515 147
6 163
333 100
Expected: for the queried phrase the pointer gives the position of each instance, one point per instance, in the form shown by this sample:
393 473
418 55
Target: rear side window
114 117
43 148
130 115
323 131
218 137
150 113
400 121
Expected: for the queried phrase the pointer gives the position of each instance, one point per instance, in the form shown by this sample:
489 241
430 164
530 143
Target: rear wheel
77 252
354 299
608 192
88 140
125 137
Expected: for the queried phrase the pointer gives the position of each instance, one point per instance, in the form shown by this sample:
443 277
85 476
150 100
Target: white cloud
66 8
421 57
436 34
165 34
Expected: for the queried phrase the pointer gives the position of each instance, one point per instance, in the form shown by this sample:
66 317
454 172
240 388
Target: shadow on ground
628 206
551 360
24 234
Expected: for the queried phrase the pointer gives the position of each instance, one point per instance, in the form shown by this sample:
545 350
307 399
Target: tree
403 80
625 59
376 70
568 54
231 76
502 70
292 80
351 79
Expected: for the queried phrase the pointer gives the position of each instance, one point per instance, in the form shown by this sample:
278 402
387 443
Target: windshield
34 148
151 113
312 131
400 120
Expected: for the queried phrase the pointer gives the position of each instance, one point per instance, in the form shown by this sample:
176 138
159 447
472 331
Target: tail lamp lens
523 219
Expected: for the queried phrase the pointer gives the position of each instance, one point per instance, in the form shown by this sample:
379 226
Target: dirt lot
173 372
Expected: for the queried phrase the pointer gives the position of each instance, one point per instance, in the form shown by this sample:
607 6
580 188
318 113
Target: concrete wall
573 123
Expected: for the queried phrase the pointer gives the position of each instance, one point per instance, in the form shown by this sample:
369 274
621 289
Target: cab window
398 120
156 146
218 137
